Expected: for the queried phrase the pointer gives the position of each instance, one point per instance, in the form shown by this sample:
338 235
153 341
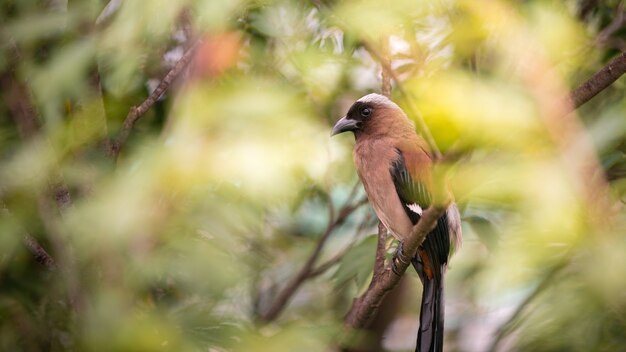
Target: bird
394 165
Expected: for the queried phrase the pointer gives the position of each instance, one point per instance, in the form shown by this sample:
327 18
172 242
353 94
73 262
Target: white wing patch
415 208
454 227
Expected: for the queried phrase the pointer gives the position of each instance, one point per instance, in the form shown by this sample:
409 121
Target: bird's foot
399 257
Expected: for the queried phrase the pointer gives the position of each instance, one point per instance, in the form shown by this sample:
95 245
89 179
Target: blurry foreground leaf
358 263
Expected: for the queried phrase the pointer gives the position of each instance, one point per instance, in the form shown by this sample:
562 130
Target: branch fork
364 307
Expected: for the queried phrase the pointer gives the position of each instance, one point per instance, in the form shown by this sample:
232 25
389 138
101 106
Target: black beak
343 125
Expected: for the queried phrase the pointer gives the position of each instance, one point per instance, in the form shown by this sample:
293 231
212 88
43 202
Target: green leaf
358 262
485 229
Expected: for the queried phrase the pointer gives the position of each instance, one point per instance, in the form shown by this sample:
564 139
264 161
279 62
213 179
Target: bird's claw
398 257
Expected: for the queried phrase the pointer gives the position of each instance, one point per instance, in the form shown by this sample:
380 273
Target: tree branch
618 22
381 250
505 328
585 7
365 307
337 257
136 112
41 256
285 295
599 81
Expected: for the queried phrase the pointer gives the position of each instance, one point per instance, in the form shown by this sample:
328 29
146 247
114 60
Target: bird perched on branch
394 165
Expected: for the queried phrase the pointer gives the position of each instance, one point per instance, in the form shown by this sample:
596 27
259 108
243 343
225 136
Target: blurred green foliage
228 182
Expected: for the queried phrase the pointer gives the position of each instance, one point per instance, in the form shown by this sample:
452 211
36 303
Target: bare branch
353 192
136 112
337 257
285 295
585 7
109 10
618 22
365 307
599 81
41 255
322 268
36 249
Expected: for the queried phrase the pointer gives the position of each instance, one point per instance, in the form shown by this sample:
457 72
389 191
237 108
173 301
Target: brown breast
373 158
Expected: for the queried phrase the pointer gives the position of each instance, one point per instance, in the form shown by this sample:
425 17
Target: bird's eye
366 112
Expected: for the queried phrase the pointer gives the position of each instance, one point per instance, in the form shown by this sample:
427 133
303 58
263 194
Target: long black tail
430 262
430 334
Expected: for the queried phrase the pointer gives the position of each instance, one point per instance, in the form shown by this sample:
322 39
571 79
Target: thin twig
365 307
505 328
136 112
413 110
322 268
599 81
285 295
386 65
353 192
586 7
34 247
109 10
618 22
41 255
331 208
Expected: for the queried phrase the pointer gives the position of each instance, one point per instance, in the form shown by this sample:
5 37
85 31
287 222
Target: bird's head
373 115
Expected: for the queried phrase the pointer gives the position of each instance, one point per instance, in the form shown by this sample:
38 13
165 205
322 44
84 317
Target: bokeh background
187 227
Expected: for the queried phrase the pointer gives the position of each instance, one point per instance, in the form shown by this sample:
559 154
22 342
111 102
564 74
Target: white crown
379 99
